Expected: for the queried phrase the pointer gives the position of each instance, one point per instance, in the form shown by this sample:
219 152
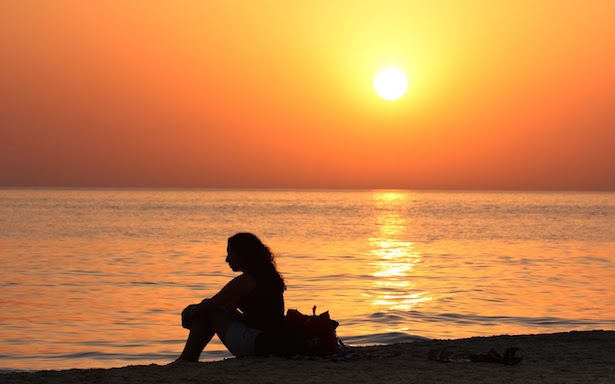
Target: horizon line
332 189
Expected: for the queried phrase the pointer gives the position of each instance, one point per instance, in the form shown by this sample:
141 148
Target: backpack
311 335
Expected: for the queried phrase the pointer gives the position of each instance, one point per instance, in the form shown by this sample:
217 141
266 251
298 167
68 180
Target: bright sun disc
390 83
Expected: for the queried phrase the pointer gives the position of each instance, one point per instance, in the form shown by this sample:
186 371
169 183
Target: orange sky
278 94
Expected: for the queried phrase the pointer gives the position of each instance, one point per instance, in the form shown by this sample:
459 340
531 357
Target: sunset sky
515 94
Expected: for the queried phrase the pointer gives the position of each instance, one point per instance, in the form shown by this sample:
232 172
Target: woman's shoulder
246 279
260 284
242 284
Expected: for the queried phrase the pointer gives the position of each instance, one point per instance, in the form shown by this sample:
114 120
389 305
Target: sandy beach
572 357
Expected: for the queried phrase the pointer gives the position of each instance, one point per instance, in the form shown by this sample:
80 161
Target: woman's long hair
256 257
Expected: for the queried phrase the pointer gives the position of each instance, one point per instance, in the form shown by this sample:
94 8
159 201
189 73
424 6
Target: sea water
98 278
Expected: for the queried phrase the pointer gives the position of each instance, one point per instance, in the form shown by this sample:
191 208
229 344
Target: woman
248 313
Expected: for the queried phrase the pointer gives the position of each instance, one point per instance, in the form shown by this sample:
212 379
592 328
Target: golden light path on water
395 258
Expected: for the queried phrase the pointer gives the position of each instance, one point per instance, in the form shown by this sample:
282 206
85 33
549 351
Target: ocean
98 278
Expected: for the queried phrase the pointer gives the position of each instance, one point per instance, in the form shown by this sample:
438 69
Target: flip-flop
510 358
450 354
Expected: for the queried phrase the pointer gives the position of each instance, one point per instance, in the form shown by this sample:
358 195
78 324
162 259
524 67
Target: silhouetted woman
248 313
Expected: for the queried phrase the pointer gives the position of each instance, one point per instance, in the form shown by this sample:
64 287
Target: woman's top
263 308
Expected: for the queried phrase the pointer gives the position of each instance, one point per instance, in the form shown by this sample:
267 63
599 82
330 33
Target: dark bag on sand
311 335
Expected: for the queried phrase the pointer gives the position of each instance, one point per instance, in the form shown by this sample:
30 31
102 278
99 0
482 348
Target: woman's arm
229 295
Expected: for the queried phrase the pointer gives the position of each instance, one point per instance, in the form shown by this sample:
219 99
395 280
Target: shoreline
576 356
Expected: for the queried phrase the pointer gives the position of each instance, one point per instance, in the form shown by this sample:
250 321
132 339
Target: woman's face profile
233 260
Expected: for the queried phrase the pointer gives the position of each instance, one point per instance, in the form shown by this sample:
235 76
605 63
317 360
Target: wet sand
572 357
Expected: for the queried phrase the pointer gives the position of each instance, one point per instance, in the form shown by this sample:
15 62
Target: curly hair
256 256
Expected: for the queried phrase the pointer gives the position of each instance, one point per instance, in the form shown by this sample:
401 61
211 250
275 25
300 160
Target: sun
391 83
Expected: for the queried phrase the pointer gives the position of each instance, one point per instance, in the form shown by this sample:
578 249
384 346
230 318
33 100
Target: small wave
382 338
5 371
396 317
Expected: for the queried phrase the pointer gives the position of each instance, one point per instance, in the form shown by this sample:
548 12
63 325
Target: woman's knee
188 316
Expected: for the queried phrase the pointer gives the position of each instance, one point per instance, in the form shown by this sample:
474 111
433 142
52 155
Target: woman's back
263 308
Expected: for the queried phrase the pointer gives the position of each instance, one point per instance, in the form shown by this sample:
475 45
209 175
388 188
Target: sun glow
390 83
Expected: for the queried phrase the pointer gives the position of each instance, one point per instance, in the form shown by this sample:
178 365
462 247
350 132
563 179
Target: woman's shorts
240 339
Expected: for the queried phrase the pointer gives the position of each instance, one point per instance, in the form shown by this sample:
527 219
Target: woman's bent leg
201 333
202 329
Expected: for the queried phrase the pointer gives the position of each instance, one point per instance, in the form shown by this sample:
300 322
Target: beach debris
450 354
456 354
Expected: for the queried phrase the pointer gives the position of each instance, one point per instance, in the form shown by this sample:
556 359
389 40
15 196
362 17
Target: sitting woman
248 313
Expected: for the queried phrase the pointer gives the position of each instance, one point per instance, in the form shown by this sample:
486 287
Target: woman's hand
191 311
188 315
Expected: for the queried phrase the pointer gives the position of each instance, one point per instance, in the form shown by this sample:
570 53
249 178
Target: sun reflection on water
395 257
